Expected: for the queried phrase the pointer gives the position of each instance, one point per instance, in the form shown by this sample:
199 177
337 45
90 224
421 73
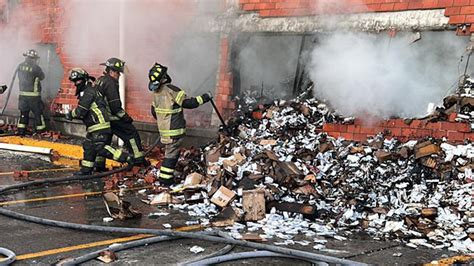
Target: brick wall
398 128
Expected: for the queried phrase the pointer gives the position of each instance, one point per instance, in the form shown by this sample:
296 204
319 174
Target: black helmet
78 73
156 74
31 54
114 64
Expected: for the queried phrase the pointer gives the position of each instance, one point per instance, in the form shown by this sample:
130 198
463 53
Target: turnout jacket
167 109
92 110
109 88
30 75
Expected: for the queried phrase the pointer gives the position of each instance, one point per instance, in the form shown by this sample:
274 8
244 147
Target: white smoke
141 32
361 73
17 35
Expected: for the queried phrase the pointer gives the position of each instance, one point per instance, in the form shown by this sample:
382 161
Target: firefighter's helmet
156 75
32 53
79 73
114 64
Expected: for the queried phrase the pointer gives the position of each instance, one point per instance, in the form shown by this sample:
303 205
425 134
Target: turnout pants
35 105
172 149
96 144
129 135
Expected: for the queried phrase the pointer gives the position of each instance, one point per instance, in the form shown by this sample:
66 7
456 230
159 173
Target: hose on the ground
11 257
64 179
142 242
199 236
116 248
243 256
220 252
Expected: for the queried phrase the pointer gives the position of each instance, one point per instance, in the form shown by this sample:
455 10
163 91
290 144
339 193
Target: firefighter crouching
30 75
92 110
120 121
167 108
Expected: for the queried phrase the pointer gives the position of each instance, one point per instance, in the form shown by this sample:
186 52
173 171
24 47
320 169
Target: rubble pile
461 104
277 175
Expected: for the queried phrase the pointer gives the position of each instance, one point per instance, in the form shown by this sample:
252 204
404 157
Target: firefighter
30 75
167 109
93 112
120 121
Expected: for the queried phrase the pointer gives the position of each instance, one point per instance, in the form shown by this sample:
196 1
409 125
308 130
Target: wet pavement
84 205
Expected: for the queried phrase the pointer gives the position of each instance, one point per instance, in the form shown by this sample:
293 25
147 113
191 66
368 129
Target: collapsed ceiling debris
277 176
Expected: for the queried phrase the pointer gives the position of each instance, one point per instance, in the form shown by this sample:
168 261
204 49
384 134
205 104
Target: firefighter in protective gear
93 112
120 121
167 109
30 75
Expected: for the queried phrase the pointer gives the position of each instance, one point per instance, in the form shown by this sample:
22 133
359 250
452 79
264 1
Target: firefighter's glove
206 97
127 119
3 88
68 116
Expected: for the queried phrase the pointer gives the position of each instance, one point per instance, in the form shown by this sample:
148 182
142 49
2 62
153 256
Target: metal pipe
23 148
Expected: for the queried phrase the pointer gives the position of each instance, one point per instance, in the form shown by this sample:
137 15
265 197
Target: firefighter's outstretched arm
193 102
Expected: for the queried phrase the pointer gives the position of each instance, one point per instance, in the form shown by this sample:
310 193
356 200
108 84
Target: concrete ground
82 203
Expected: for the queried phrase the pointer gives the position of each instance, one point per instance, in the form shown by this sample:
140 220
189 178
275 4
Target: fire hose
168 233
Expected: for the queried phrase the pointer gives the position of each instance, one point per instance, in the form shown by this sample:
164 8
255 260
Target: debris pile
278 175
460 106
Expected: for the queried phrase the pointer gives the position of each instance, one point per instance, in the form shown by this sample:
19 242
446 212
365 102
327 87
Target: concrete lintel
367 22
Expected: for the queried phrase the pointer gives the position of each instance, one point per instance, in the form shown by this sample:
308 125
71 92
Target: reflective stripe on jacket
167 101
92 110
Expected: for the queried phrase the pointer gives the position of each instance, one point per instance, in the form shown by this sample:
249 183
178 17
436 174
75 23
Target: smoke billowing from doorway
360 73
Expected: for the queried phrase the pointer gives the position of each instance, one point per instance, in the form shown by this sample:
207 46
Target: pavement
81 202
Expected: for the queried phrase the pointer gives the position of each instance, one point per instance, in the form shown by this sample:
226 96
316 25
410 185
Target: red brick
360 137
263 6
455 136
340 128
367 130
446 3
436 126
408 132
335 134
457 19
449 126
430 4
464 127
396 132
400 6
353 128
469 136
415 124
328 127
387 7
423 133
461 2
439 134
248 7
467 10
347 136
450 11
415 5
